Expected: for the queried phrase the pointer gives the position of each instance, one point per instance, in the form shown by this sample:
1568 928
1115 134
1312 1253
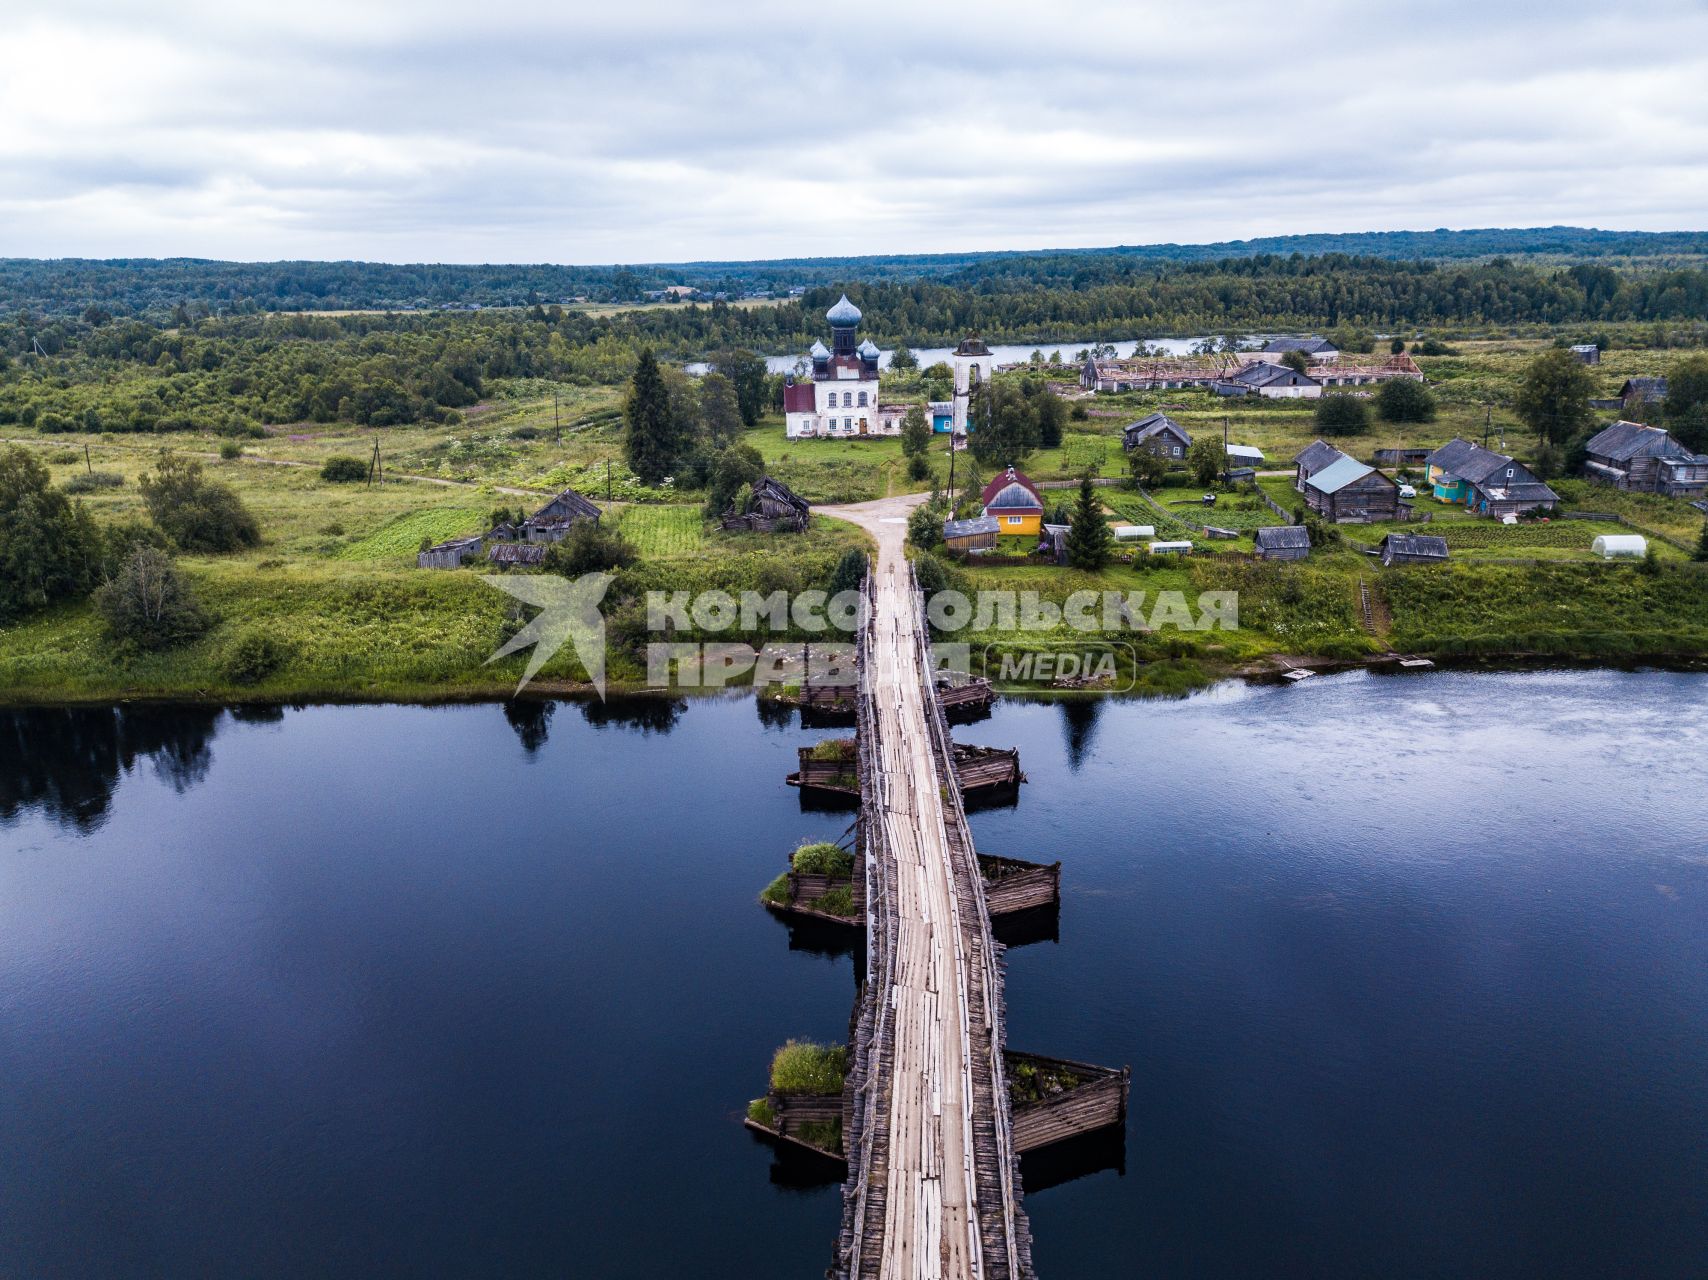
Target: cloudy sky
639 131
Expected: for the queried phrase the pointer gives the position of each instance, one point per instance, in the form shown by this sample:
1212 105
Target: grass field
334 582
663 531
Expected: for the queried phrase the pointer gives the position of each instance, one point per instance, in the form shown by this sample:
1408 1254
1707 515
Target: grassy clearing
664 531
400 537
803 1067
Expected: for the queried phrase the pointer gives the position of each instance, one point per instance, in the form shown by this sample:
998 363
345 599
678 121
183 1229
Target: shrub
918 467
230 451
252 656
93 481
148 604
849 571
925 525
589 548
1342 415
341 469
801 1066
1404 400
198 514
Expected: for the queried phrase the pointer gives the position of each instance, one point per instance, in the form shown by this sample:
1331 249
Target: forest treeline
229 372
157 287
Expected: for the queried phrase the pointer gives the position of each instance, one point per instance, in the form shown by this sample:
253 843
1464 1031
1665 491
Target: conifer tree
1088 539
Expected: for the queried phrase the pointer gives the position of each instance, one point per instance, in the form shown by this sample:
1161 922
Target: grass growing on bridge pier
804 1067
823 859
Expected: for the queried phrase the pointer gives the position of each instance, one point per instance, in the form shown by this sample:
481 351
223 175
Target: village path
931 1210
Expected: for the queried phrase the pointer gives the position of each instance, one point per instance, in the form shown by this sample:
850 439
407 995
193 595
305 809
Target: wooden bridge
933 1177
935 1110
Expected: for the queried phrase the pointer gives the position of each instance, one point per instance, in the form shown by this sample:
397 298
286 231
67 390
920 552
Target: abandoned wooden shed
772 508
450 554
514 554
1282 542
977 534
1414 548
551 523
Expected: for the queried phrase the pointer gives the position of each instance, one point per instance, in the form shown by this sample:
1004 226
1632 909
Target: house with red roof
1013 502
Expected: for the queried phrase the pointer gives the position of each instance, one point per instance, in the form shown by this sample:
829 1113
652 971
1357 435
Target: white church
842 397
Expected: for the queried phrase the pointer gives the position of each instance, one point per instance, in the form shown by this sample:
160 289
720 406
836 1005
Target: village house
1316 350
1414 548
1641 391
977 534
1312 459
551 523
772 507
841 398
1587 352
1349 492
1272 382
1486 482
1282 542
1245 455
1156 433
1013 502
1629 455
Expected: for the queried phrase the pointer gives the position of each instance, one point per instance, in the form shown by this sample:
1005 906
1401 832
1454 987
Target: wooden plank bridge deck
933 1186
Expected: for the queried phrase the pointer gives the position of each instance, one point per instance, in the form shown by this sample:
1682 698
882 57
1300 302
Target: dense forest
234 372
157 288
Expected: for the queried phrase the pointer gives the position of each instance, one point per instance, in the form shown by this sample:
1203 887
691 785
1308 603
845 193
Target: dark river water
1412 975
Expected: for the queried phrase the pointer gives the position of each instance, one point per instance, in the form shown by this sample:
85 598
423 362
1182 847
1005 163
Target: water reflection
646 712
67 761
531 718
1079 727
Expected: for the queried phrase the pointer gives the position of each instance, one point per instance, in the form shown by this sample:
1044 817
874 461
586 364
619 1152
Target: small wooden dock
833 767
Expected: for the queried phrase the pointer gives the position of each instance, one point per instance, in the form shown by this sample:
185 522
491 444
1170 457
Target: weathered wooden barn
772 508
517 554
1629 455
450 554
1641 391
1282 542
551 523
1349 492
1404 456
1414 548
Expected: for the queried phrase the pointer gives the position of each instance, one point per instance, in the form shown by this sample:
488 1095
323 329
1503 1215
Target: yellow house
1013 502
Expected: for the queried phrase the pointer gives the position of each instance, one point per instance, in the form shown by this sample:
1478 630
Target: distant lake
1004 353
1411 971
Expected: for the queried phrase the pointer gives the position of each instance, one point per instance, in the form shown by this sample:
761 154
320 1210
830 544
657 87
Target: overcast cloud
643 131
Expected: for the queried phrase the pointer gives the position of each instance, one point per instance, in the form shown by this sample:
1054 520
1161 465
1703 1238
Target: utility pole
374 464
1226 469
1488 423
88 462
557 423
607 479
